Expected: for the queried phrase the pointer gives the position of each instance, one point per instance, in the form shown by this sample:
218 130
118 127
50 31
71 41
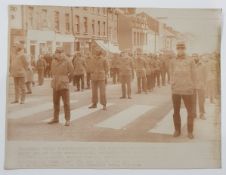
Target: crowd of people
192 78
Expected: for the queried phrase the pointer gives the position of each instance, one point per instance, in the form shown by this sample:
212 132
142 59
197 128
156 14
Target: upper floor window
93 27
67 22
57 20
44 18
30 16
99 28
104 11
85 22
85 8
135 38
77 23
104 28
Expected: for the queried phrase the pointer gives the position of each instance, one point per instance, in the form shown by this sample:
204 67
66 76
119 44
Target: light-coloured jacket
140 66
79 66
126 66
19 66
182 71
62 71
100 68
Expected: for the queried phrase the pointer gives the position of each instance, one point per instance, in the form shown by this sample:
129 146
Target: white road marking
166 126
79 113
29 100
28 111
123 118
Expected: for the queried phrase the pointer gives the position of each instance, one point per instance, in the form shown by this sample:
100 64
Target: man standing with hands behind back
182 84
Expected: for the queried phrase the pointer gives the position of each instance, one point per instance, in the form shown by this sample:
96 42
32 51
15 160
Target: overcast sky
203 23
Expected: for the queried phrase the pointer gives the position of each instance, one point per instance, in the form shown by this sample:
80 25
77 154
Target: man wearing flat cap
182 85
62 71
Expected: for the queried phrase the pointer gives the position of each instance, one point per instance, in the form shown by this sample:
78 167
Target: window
67 22
135 38
138 38
44 18
104 11
93 27
99 28
56 21
104 28
85 22
30 17
77 23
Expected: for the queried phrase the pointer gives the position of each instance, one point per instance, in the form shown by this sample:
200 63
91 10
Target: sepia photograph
111 87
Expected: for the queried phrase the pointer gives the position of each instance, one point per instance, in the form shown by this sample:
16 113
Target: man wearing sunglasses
182 85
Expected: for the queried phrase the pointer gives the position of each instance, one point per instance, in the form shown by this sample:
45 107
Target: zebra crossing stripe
29 100
166 125
28 110
35 99
123 118
79 113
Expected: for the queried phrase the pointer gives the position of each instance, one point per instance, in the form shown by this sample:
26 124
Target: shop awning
40 36
64 38
108 46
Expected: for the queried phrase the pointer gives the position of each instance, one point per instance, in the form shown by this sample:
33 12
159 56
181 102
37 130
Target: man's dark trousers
64 93
176 116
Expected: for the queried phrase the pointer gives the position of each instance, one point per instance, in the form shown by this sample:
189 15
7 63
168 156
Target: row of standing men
96 68
151 70
148 69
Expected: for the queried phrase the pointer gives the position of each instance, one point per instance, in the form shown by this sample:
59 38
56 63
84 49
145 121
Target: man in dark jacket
98 77
61 69
19 66
182 71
